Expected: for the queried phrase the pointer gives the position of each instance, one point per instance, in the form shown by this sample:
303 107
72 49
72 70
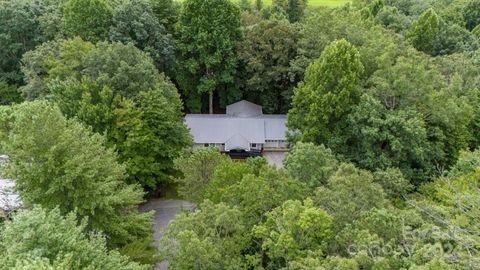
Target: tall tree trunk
210 102
259 5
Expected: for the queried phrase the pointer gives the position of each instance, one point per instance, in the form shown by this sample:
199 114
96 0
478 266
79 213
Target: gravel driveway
165 211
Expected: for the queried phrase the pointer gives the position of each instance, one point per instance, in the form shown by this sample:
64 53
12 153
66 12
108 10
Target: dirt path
165 211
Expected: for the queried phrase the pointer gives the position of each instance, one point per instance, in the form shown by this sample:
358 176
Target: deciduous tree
291 230
135 21
329 91
312 164
88 19
293 8
60 163
208 32
196 170
46 239
424 31
349 192
471 14
19 33
9 94
265 56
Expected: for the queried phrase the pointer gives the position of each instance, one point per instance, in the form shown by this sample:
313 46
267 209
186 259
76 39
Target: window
206 145
254 145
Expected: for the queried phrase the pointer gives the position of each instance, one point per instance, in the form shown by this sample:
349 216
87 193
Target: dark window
206 145
254 145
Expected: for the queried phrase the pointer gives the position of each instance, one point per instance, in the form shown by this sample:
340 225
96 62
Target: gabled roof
237 128
237 141
220 128
244 109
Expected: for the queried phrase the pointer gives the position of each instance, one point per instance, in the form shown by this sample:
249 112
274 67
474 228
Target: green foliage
265 56
471 14
328 92
156 137
208 32
211 237
87 19
258 5
123 68
377 46
19 33
467 163
167 12
149 132
92 83
87 101
424 31
60 163
143 251
291 230
414 84
9 94
453 38
253 187
293 8
135 21
349 192
379 138
476 31
45 239
312 164
393 183
245 5
197 169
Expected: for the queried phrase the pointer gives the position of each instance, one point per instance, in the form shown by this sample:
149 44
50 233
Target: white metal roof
223 128
9 200
244 109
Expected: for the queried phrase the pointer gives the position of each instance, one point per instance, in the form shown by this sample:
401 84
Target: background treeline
382 99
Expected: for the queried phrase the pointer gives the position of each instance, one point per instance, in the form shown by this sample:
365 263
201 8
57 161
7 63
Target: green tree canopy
349 192
208 32
167 13
265 56
291 230
328 92
471 14
157 136
293 8
60 163
123 68
424 31
312 164
9 94
115 89
196 170
135 21
19 33
87 19
46 239
211 237
476 31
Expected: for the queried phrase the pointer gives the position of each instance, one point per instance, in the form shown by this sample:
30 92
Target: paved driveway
165 211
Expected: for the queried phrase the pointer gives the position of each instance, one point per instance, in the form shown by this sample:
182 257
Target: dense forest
383 106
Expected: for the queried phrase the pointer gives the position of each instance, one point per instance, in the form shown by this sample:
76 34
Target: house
9 200
243 129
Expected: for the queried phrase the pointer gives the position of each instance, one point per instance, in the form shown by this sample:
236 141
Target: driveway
165 211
